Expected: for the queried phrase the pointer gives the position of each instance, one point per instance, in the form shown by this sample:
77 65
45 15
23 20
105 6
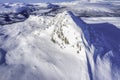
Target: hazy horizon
37 1
33 1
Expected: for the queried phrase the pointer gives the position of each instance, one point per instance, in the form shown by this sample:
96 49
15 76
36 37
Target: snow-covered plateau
60 41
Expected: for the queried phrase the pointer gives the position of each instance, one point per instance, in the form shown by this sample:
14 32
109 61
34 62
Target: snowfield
60 41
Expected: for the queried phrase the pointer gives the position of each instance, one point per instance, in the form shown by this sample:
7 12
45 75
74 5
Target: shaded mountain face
53 44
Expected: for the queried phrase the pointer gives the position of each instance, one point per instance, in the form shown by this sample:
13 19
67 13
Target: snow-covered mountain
53 42
17 12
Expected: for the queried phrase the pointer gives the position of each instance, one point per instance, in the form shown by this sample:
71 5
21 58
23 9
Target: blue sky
29 1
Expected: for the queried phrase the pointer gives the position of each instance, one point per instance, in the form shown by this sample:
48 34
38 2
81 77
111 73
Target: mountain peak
66 32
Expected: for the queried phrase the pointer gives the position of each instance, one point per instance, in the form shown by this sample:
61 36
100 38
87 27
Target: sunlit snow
60 41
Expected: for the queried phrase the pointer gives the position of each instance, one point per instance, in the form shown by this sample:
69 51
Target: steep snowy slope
28 51
63 47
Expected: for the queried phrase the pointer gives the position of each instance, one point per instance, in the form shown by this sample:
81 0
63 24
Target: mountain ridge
59 47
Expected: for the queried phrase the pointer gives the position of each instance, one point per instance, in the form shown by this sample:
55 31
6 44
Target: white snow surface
29 46
63 47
